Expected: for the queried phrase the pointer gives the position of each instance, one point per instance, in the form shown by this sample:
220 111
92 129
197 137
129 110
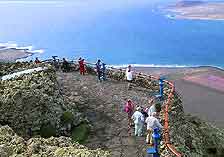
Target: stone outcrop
12 145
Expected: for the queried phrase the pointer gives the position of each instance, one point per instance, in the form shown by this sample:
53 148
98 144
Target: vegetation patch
47 131
80 133
67 117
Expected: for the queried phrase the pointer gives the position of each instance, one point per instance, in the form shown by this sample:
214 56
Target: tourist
81 66
151 108
65 65
144 111
129 76
129 109
138 119
98 69
55 63
103 71
37 61
152 123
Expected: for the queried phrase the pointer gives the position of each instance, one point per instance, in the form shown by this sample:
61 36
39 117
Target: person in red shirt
81 66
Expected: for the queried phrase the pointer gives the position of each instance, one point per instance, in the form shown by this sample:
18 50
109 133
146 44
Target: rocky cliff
193 136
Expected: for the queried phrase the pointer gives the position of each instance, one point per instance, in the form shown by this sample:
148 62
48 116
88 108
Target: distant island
197 10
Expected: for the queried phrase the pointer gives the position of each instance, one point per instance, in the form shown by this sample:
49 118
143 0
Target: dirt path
102 103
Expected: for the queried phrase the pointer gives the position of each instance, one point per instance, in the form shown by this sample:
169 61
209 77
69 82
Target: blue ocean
118 32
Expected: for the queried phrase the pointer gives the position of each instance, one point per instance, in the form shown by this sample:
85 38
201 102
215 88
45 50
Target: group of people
141 116
65 66
100 69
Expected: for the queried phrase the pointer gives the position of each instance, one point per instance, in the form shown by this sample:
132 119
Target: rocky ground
102 103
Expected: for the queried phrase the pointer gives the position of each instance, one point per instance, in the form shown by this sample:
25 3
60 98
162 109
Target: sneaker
150 144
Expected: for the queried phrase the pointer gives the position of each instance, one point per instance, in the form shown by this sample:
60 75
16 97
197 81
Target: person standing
138 119
152 123
151 108
104 71
129 109
65 65
81 66
129 76
98 69
37 61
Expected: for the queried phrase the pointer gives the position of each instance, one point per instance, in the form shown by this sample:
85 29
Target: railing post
161 85
156 137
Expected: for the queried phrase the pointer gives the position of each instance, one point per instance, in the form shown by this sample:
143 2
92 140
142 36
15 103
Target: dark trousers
99 75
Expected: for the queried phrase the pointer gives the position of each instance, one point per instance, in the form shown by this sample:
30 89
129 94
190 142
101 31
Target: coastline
12 54
199 11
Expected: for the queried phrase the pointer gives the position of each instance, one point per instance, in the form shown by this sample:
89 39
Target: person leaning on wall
129 76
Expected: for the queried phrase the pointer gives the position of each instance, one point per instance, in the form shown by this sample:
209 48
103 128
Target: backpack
126 109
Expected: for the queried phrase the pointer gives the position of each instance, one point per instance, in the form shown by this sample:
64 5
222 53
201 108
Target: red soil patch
208 80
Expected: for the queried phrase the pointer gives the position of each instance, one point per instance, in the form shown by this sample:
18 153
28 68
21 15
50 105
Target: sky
29 16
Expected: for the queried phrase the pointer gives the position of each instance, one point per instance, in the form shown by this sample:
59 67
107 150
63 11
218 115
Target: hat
154 114
138 108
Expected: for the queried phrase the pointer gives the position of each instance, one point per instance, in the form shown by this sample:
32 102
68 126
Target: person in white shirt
129 76
129 73
152 123
151 108
138 119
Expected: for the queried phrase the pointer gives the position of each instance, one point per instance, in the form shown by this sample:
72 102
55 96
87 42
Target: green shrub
80 133
47 131
67 117
158 107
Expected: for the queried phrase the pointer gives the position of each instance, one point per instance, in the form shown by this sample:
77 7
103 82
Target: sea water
118 32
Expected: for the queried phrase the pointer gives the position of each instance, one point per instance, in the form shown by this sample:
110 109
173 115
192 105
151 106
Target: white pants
138 129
